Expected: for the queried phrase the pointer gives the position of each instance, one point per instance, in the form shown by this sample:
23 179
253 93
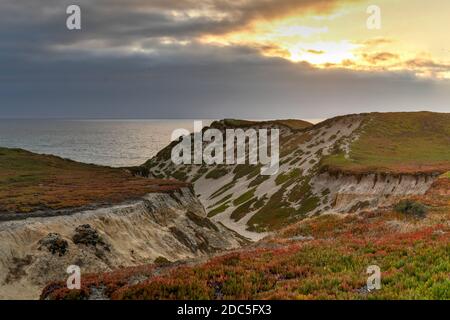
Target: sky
211 59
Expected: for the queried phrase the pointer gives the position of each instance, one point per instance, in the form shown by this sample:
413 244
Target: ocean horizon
108 142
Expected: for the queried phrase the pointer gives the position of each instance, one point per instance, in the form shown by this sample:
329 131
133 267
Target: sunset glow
223 58
339 38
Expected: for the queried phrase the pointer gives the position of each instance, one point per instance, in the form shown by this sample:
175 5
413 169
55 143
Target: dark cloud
118 22
48 71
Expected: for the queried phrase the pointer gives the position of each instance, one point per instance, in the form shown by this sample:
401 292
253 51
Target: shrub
139 171
410 207
87 235
162 261
54 244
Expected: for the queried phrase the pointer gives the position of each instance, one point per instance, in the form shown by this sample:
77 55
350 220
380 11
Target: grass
258 180
398 142
30 182
180 175
242 170
223 189
279 210
224 199
322 257
219 209
411 207
243 210
217 172
284 177
293 124
244 197
330 264
273 215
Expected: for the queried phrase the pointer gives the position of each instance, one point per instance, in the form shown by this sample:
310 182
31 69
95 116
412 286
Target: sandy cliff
170 225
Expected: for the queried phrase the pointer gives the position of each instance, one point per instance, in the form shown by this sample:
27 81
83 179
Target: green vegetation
242 170
398 142
217 172
235 123
284 177
220 206
274 214
218 210
258 180
242 210
180 175
162 261
308 204
244 197
279 210
301 190
410 207
224 199
223 189
30 182
293 124
260 203
330 262
201 171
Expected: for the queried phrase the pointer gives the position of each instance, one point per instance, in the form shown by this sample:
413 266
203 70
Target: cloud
205 82
316 51
120 23
380 57
374 42
429 68
142 59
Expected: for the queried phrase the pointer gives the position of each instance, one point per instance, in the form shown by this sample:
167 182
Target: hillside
324 257
31 182
351 192
397 142
293 124
344 164
57 212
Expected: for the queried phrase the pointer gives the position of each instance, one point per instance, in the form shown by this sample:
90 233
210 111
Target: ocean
113 143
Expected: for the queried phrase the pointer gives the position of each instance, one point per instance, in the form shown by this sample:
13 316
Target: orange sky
223 58
413 37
